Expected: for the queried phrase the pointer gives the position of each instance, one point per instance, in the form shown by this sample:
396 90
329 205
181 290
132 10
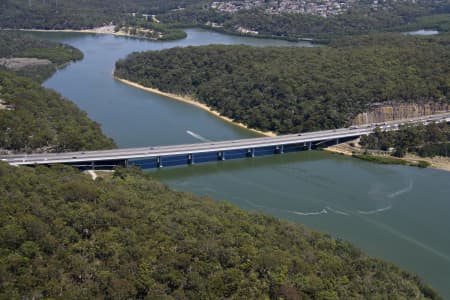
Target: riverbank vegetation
35 119
63 235
68 14
439 22
129 236
426 141
149 28
20 45
361 18
288 90
387 160
38 119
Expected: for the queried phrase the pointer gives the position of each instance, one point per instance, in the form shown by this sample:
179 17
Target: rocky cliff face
399 111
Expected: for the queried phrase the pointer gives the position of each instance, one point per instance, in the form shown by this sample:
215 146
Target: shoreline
437 162
197 104
109 29
98 30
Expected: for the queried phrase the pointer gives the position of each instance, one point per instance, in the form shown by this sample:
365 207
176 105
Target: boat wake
375 211
338 212
197 136
314 213
401 191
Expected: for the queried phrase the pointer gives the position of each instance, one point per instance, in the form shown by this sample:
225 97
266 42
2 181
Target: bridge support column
309 145
159 162
337 141
282 149
221 155
92 165
251 152
190 159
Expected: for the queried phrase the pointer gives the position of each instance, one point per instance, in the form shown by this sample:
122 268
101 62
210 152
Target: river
400 214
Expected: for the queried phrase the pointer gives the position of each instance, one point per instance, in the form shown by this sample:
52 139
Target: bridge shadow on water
273 161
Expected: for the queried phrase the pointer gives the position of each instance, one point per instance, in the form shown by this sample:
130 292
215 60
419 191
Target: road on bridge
189 149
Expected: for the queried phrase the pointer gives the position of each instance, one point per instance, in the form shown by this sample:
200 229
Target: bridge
188 154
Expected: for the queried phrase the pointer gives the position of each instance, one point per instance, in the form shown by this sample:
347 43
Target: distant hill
69 14
322 20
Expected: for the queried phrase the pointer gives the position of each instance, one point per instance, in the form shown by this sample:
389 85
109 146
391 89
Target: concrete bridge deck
159 156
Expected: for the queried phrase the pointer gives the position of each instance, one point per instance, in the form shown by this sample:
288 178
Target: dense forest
401 15
127 236
20 45
300 89
68 14
65 14
426 141
38 119
439 22
63 235
33 118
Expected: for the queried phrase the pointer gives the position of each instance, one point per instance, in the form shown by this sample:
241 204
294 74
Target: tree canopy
290 90
362 18
427 141
63 235
21 45
68 14
40 119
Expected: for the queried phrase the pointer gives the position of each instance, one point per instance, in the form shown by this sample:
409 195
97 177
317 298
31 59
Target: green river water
400 214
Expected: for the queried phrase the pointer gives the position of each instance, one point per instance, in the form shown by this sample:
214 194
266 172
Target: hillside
33 118
65 236
322 20
300 89
38 119
46 56
425 141
62 235
68 14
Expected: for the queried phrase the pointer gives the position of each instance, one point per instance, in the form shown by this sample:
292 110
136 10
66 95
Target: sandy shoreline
437 162
191 101
110 29
100 30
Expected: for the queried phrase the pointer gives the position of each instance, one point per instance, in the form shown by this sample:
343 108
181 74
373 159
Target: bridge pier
221 155
279 149
309 146
92 166
251 152
190 159
337 141
159 162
